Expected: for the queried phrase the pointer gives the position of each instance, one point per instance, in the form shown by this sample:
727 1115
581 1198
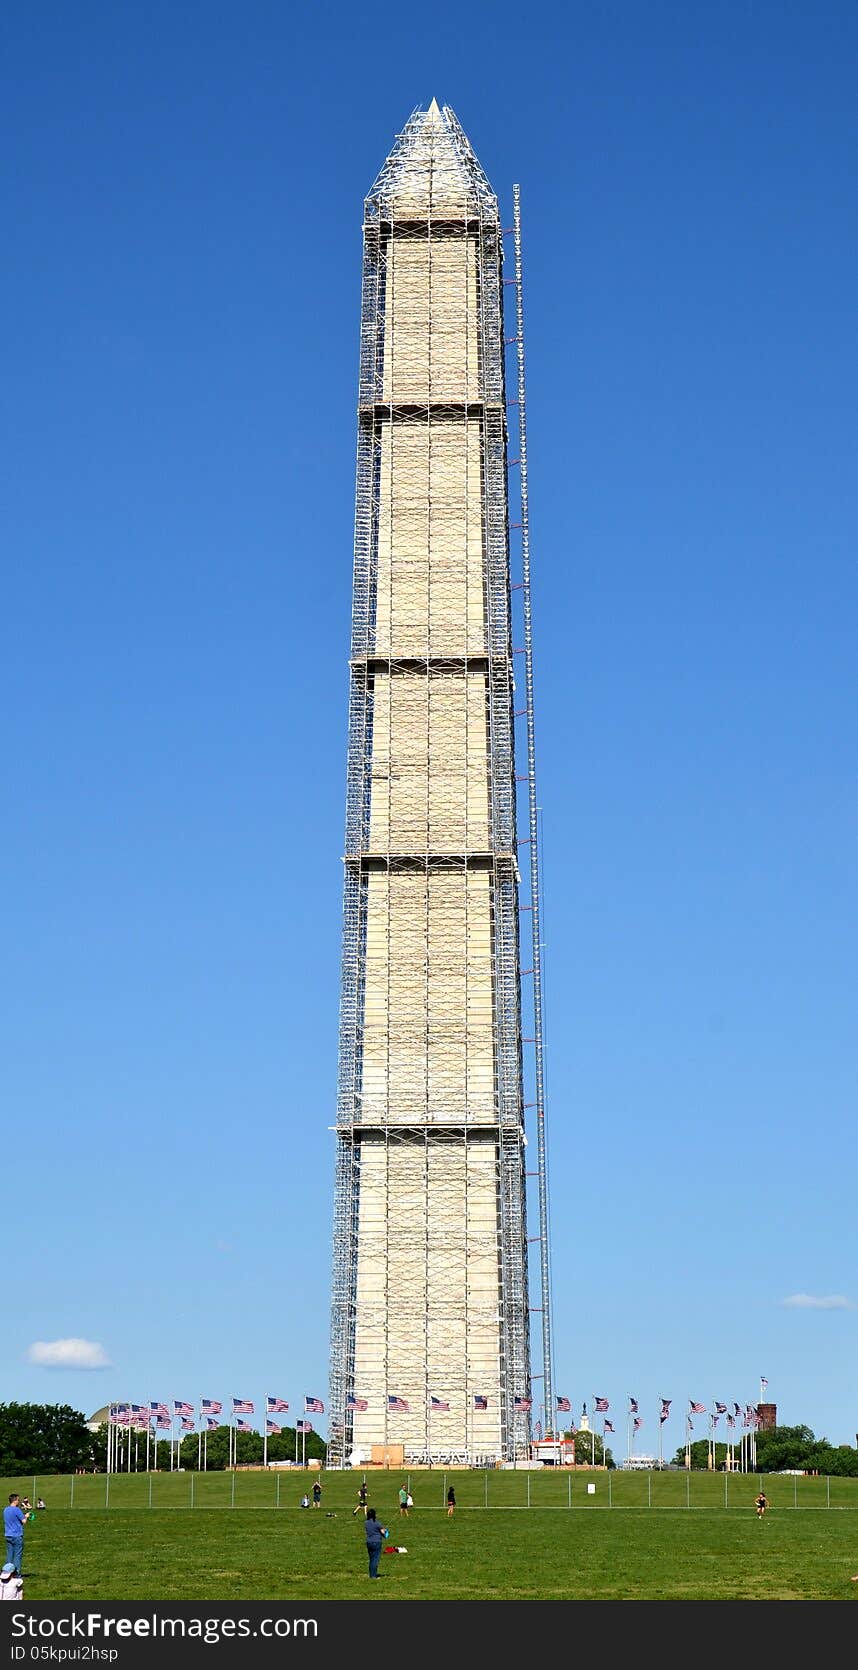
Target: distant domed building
98 1419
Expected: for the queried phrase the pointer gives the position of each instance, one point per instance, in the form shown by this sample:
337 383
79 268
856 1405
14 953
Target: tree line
54 1438
780 1448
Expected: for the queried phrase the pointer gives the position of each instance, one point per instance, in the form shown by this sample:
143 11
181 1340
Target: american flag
359 1404
564 1405
182 1408
188 1423
731 1420
633 1405
313 1406
663 1417
273 1428
242 1406
159 1409
524 1403
609 1426
697 1408
243 1426
601 1404
210 1406
122 1417
480 1402
763 1383
720 1408
163 1423
747 1418
439 1404
303 1426
637 1423
120 1408
665 1407
211 1424
737 1409
277 1406
397 1405
714 1419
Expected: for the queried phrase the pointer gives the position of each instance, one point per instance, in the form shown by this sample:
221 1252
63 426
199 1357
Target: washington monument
430 1342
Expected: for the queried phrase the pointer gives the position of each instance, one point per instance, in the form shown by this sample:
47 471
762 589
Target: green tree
250 1449
589 1447
780 1448
43 1438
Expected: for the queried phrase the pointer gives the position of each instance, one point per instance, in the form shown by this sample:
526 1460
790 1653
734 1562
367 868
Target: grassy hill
640 1536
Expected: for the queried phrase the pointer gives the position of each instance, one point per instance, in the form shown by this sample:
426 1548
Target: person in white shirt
11 1585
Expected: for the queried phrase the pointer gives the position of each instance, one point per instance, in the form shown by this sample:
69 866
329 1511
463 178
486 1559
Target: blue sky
180 299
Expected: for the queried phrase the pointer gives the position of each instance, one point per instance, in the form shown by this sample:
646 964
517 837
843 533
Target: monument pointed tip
434 108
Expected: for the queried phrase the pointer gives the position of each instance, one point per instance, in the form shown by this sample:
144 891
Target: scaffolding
430 1346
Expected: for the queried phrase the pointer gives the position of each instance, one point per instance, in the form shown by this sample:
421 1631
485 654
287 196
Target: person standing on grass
14 1520
375 1535
761 1502
451 1502
317 1494
403 1502
361 1501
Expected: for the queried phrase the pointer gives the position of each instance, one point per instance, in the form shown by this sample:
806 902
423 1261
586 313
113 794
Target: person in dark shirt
375 1535
361 1501
761 1502
451 1502
317 1493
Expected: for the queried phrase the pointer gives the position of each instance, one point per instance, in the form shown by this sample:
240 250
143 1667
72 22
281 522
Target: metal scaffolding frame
430 1300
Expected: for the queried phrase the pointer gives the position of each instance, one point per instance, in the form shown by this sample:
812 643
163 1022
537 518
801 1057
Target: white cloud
807 1301
68 1353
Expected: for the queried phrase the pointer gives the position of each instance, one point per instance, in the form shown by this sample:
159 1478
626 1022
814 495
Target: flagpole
265 1435
200 1437
128 1464
660 1447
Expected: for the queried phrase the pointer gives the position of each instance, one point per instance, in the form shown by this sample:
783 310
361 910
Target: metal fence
498 1490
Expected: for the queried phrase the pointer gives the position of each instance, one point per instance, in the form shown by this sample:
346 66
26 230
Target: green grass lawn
636 1538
